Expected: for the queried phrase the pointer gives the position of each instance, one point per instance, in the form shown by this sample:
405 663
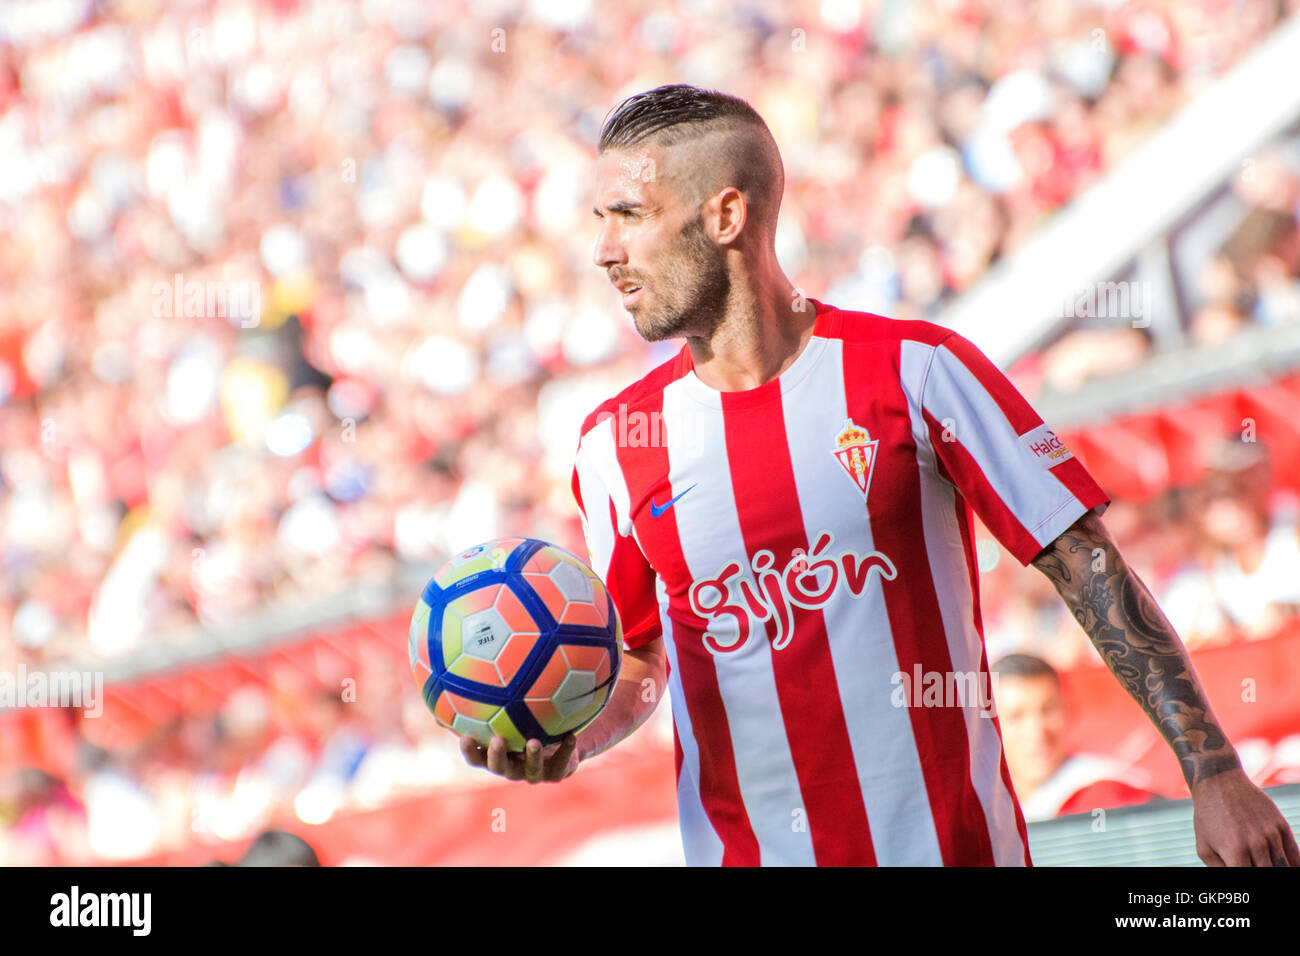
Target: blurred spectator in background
44 824
1050 780
275 848
343 738
1244 575
279 848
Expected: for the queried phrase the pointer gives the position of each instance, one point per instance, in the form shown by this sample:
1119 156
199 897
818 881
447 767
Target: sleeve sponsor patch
1044 447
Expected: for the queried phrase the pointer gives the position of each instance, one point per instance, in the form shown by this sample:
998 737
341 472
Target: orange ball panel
547 590
583 658
471 708
479 600
584 614
548 682
512 656
547 714
541 562
516 616
476 669
443 710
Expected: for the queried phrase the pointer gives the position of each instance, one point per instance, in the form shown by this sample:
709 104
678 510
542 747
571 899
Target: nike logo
657 510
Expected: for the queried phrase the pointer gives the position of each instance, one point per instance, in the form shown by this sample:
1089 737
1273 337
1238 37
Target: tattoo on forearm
1138 644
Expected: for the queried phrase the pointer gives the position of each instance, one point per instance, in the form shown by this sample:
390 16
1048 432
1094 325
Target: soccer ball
515 637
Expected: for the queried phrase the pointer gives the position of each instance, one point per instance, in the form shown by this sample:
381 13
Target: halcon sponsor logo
807 580
1045 447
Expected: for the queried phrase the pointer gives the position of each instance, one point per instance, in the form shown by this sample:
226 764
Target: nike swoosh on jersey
657 510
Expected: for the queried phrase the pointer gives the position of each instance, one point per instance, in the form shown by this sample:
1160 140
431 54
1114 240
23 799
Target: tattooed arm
1236 823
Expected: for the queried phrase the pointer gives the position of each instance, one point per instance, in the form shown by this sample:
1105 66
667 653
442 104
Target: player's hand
537 764
1238 825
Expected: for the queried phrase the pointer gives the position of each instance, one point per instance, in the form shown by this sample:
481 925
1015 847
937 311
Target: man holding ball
794 542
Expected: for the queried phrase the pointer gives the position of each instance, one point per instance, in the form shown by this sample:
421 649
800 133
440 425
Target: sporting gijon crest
856 451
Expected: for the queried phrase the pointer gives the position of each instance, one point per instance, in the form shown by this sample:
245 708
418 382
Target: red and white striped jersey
804 549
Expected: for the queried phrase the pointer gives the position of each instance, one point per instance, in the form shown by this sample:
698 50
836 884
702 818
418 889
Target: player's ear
726 213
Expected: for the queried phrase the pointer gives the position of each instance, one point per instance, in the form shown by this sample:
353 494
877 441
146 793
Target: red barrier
498 824
1136 457
1251 688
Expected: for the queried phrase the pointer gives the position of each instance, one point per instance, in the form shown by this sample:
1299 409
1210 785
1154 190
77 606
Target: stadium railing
1153 834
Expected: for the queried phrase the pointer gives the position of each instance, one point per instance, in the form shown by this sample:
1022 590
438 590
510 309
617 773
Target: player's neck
764 329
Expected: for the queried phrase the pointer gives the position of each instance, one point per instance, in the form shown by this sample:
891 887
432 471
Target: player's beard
690 290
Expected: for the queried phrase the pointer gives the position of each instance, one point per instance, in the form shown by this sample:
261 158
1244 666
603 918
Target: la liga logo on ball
515 637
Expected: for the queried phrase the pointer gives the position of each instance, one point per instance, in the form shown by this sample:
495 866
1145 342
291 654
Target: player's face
654 247
1033 719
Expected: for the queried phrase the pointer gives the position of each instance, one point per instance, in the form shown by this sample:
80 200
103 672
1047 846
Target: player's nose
607 251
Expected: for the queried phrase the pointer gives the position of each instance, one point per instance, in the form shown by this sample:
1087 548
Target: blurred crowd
266 757
292 293
1251 281
284 753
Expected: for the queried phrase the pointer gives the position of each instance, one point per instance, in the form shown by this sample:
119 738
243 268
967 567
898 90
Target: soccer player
782 514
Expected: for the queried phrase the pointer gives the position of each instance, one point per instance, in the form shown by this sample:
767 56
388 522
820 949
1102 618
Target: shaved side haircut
730 144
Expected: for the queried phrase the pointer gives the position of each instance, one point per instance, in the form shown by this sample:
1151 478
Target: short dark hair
657 112
1025 665
747 157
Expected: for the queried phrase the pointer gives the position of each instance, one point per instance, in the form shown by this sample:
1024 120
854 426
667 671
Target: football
516 637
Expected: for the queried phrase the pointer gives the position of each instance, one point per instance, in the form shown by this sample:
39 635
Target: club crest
856 451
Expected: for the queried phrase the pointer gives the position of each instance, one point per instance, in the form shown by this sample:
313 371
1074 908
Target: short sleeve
1020 479
611 547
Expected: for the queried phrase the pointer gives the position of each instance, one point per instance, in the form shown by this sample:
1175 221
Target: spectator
1244 576
47 825
1049 779
279 848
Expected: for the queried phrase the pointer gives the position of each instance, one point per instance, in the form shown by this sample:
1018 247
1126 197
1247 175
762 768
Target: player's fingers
557 767
1259 851
1276 853
475 753
533 761
1289 846
514 762
498 759
1209 857
1277 849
